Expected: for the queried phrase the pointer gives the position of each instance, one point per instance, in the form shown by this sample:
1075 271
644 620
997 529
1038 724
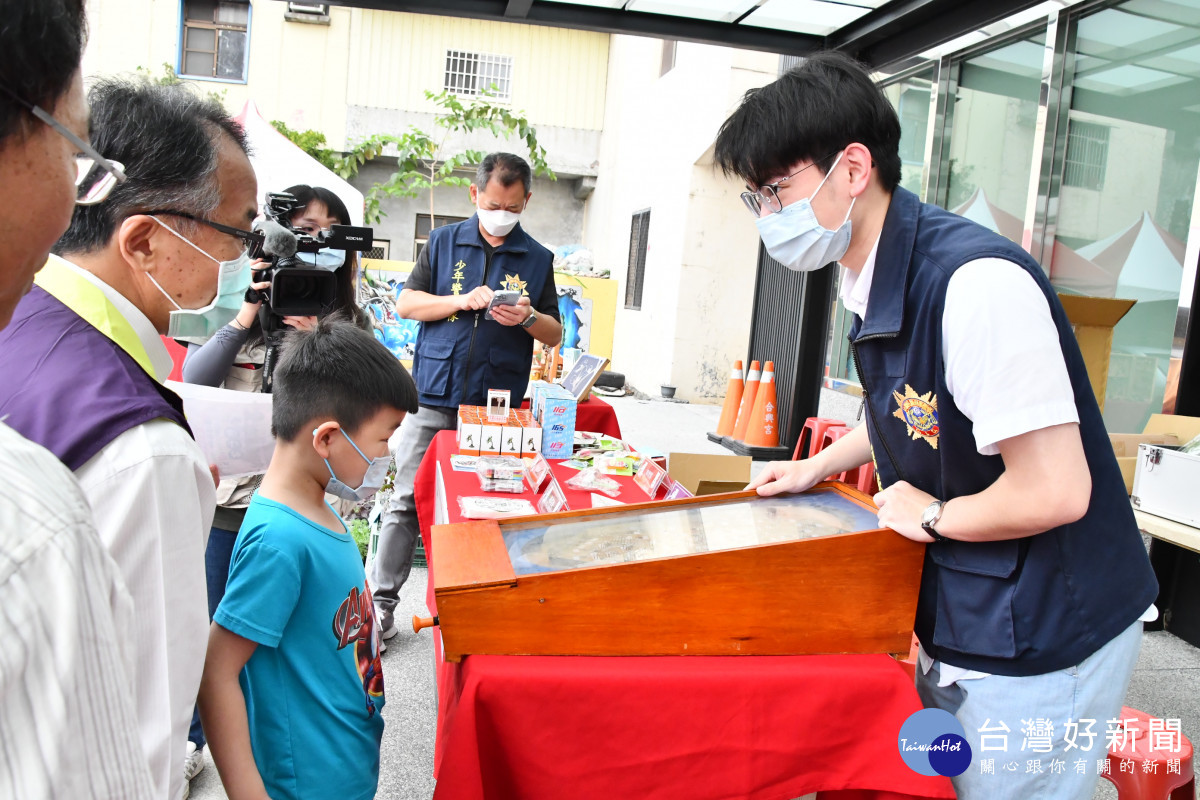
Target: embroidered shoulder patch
919 414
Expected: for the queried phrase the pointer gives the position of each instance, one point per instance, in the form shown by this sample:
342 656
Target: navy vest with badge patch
459 358
1018 607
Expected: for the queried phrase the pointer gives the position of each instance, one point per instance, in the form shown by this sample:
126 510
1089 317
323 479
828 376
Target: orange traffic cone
747 404
733 398
763 430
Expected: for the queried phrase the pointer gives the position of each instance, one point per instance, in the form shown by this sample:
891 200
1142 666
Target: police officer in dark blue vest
460 353
985 433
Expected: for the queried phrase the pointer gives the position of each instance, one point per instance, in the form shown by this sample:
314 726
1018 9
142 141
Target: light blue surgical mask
233 278
377 470
326 258
795 239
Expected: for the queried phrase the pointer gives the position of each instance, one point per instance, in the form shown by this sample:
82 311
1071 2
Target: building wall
312 76
558 74
701 256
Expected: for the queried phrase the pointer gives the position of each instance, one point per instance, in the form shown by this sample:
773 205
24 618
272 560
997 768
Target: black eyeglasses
253 239
95 175
767 195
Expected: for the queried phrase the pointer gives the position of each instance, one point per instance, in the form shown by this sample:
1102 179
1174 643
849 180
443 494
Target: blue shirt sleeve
263 589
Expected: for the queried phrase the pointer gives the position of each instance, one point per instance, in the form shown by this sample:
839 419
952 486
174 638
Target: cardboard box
1160 429
690 469
1165 484
1093 319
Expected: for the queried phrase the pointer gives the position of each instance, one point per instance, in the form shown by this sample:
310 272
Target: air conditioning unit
320 9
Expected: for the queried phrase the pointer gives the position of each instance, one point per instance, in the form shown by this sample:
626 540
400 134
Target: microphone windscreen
280 242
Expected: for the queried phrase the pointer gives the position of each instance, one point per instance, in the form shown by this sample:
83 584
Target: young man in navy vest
163 253
460 354
982 424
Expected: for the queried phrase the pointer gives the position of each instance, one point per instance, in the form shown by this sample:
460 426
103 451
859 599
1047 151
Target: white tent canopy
1149 259
279 164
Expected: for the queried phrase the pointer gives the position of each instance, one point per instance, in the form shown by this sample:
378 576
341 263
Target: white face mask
233 278
795 239
377 470
498 222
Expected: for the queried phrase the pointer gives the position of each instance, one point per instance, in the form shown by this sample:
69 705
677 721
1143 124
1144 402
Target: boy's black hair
810 114
336 371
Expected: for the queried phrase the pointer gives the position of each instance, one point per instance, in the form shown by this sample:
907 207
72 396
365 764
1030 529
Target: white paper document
232 428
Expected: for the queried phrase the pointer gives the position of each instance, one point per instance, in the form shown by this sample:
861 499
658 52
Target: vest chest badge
918 412
513 283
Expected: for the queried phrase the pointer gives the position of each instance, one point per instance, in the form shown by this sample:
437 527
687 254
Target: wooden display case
732 574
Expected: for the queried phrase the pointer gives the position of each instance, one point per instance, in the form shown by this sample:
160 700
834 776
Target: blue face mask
326 258
377 470
795 239
233 278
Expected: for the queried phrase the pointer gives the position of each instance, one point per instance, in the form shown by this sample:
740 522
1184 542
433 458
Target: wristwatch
532 318
933 513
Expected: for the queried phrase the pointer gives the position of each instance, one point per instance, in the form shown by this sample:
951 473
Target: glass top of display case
640 534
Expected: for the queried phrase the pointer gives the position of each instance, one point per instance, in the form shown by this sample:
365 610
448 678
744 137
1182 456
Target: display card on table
554 500
649 477
536 473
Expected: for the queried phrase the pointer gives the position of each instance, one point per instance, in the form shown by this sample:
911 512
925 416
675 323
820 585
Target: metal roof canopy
880 33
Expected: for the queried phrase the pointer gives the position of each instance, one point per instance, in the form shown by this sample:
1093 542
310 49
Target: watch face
931 512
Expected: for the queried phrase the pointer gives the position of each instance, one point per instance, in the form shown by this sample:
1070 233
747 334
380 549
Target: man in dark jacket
460 353
986 436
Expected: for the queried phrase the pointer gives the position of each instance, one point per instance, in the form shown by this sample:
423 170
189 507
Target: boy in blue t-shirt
292 693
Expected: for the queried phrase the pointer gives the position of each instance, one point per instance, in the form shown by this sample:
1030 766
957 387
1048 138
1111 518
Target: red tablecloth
763 727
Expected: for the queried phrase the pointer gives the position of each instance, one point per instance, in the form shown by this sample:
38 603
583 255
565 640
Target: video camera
298 288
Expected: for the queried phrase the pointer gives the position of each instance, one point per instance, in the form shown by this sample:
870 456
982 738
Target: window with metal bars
1087 155
423 227
474 74
639 233
215 39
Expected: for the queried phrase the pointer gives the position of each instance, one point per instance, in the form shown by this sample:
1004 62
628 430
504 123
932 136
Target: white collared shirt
68 726
153 499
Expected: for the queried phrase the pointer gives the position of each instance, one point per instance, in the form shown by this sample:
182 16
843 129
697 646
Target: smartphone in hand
504 297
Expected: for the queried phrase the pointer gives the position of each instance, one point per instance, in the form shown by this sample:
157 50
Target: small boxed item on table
1165 481
501 474
558 423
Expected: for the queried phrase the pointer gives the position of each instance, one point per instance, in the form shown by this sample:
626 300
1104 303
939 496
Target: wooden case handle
423 622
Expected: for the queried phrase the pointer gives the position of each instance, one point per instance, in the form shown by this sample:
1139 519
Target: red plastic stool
1142 772
863 478
814 428
831 436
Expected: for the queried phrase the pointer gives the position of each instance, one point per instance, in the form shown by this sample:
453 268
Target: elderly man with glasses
163 251
66 655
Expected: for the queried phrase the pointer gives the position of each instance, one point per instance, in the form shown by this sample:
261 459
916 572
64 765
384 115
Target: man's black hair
41 43
168 139
810 114
506 168
336 371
